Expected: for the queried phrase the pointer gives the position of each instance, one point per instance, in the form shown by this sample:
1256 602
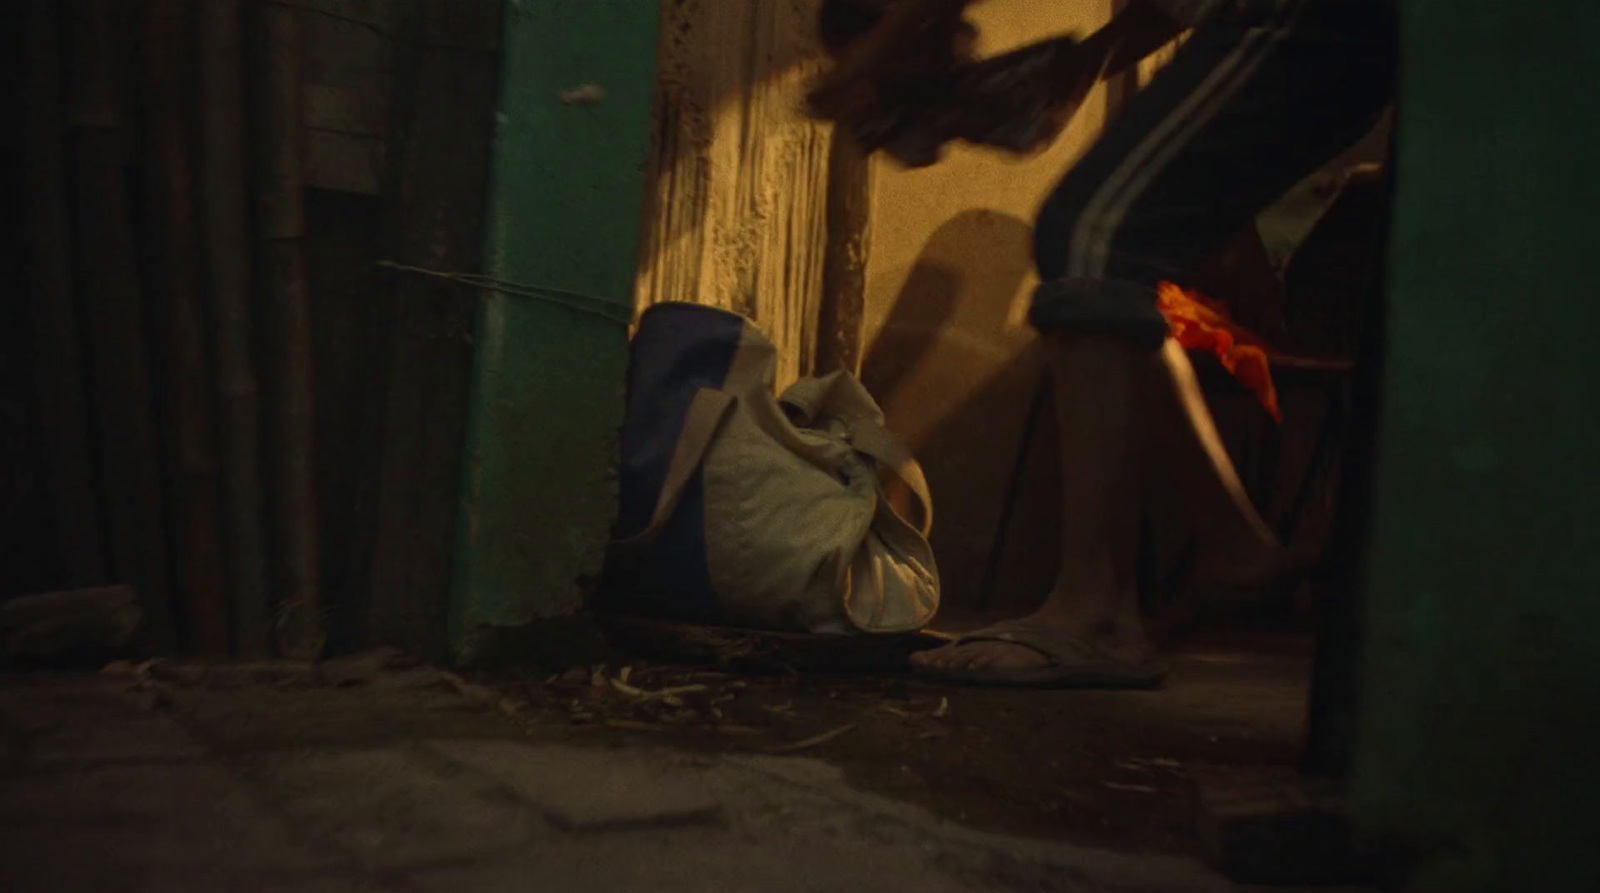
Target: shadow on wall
956 381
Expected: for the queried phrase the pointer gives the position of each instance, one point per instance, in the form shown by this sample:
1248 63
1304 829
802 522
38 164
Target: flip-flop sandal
1073 662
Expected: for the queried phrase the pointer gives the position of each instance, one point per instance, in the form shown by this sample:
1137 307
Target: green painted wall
564 214
1480 741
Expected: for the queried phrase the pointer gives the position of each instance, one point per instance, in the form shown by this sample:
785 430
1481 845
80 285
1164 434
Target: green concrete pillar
1479 738
566 194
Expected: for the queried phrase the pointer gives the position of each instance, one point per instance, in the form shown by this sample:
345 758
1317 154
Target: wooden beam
286 315
844 272
738 181
114 317
48 284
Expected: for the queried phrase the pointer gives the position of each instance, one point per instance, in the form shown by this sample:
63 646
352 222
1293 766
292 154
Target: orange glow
1199 323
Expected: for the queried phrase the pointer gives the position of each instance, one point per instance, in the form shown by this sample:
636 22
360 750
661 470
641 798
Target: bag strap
706 412
874 440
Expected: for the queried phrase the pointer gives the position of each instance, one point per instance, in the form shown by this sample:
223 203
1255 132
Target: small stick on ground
815 740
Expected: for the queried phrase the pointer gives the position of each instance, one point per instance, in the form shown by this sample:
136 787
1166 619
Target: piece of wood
738 177
844 272
286 317
61 626
353 52
190 442
228 293
113 311
349 50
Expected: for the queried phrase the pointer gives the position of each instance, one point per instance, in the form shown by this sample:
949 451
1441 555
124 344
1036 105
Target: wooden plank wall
99 471
736 202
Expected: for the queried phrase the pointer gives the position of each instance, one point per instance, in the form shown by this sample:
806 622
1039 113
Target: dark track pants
1250 104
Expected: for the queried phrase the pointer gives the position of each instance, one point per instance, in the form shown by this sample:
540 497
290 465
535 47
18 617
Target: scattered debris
84 625
943 710
1135 788
480 693
150 693
1146 764
127 668
363 668
634 725
663 694
231 675
185 674
815 740
156 696
729 728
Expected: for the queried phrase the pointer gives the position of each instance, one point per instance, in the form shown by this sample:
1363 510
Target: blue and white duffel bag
742 509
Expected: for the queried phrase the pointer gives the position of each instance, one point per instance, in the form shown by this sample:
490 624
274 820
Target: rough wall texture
948 276
737 178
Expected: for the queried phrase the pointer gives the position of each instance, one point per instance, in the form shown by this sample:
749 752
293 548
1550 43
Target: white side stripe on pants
1098 222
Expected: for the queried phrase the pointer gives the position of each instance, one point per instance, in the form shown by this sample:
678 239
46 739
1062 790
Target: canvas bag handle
841 397
705 416
875 441
706 412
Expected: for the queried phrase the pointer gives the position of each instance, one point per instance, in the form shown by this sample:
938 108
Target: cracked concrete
413 789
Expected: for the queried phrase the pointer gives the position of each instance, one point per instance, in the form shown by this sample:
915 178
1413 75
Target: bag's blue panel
679 349
671 580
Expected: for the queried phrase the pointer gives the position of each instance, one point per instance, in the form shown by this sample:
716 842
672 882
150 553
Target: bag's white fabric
799 533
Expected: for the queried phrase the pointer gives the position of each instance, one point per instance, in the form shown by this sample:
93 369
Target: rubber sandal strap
1060 648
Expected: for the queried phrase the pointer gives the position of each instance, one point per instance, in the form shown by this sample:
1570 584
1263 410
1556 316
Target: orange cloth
1199 323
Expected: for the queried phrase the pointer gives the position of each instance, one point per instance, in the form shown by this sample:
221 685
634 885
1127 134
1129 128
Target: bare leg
1102 388
1123 412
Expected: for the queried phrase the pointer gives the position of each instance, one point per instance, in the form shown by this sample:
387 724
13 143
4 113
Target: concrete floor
352 779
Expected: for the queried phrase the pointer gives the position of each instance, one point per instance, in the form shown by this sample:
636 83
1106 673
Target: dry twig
815 740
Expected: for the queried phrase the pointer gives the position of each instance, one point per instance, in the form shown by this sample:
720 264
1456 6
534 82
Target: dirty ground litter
377 773
1115 769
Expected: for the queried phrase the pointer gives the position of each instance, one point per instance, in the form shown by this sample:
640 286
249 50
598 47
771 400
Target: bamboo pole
47 274
444 104
191 451
113 313
844 265
227 266
286 317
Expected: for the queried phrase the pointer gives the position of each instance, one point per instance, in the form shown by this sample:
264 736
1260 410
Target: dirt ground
1118 769
1114 769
